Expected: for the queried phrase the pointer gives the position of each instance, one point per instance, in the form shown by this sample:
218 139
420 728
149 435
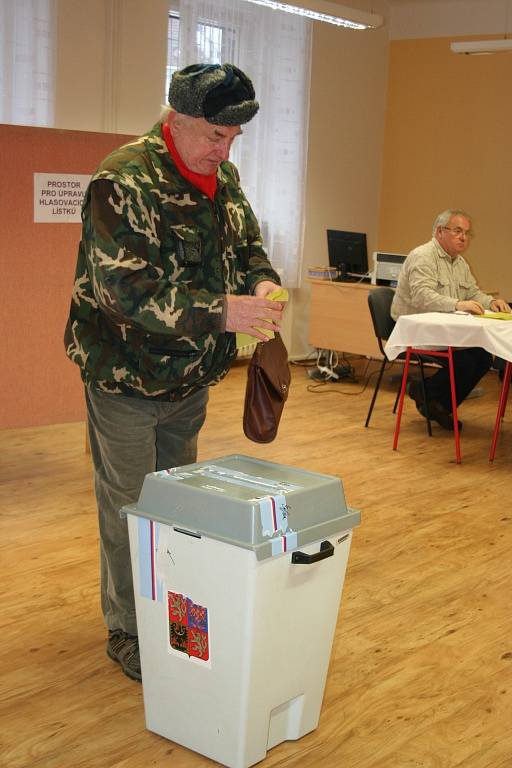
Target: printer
386 268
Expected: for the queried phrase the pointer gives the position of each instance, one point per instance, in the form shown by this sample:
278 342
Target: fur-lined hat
220 93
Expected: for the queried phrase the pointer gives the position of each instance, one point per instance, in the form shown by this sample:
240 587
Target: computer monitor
348 254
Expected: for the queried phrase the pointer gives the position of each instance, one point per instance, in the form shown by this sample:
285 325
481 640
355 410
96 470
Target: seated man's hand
246 314
474 307
499 305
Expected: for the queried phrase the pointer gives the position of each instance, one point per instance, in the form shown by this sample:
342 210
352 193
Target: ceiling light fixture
482 46
322 10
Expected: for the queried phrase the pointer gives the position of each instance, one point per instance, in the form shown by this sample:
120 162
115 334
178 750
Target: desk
435 330
441 330
340 318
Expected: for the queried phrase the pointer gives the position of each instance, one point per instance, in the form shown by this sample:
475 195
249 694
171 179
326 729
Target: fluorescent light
482 46
322 10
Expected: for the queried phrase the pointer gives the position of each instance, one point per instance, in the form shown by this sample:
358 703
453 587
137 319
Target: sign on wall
58 197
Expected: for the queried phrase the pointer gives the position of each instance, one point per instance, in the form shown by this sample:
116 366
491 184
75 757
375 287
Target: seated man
436 278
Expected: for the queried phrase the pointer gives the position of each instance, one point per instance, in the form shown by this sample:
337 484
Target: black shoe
438 413
124 649
416 394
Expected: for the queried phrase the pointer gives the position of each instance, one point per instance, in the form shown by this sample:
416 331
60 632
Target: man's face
455 236
201 145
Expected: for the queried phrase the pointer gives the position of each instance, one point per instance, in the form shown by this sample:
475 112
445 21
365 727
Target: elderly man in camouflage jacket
170 266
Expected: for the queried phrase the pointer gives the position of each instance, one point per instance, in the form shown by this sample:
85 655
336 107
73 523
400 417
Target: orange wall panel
447 145
38 384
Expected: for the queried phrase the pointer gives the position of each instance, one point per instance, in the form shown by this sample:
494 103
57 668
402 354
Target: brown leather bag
268 383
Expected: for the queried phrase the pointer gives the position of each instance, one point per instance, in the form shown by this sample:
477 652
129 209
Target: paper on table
497 315
245 339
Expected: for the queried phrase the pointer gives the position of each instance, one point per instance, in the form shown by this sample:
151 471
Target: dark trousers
129 438
469 367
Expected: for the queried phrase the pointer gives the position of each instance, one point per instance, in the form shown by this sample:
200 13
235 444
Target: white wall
348 95
111 61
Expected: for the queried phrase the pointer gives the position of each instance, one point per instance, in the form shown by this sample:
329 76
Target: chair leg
375 392
501 409
397 396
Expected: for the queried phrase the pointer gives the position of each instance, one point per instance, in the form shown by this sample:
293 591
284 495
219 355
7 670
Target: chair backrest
379 301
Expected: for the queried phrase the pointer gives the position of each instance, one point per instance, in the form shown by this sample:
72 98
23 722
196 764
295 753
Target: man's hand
264 287
474 307
498 305
246 314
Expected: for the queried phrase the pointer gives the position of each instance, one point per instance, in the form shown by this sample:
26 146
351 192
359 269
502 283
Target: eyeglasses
458 231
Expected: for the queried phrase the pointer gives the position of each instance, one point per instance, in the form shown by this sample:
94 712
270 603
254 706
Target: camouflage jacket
155 261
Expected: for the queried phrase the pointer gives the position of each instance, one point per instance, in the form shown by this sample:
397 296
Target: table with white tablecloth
448 330
435 330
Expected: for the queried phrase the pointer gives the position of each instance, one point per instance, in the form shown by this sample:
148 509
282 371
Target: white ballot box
238 569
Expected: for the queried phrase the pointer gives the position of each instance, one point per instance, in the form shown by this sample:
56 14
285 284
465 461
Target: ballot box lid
247 502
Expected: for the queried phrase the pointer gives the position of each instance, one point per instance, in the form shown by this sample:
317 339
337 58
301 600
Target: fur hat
220 93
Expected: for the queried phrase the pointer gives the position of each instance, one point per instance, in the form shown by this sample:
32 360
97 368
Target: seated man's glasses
458 231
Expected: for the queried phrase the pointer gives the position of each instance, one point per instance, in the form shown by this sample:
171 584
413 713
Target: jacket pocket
189 248
167 360
165 352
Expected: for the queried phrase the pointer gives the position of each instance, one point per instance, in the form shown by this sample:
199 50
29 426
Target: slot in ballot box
238 569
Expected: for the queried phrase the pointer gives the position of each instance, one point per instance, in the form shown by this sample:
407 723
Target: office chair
379 302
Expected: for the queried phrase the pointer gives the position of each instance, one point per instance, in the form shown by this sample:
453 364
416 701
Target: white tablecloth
438 330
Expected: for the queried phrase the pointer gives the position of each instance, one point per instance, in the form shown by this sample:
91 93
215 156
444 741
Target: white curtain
274 49
27 62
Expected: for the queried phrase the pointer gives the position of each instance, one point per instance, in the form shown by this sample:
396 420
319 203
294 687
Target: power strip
323 373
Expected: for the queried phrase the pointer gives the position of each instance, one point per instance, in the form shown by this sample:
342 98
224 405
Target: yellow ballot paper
245 339
497 315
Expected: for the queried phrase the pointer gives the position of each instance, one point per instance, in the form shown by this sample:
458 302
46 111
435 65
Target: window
216 44
173 31
27 75
274 49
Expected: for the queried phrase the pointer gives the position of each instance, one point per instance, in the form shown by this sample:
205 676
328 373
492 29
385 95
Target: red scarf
206 184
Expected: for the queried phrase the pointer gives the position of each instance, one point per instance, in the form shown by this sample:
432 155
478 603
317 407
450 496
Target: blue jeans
130 437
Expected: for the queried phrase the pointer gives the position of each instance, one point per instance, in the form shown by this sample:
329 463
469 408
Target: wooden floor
421 669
